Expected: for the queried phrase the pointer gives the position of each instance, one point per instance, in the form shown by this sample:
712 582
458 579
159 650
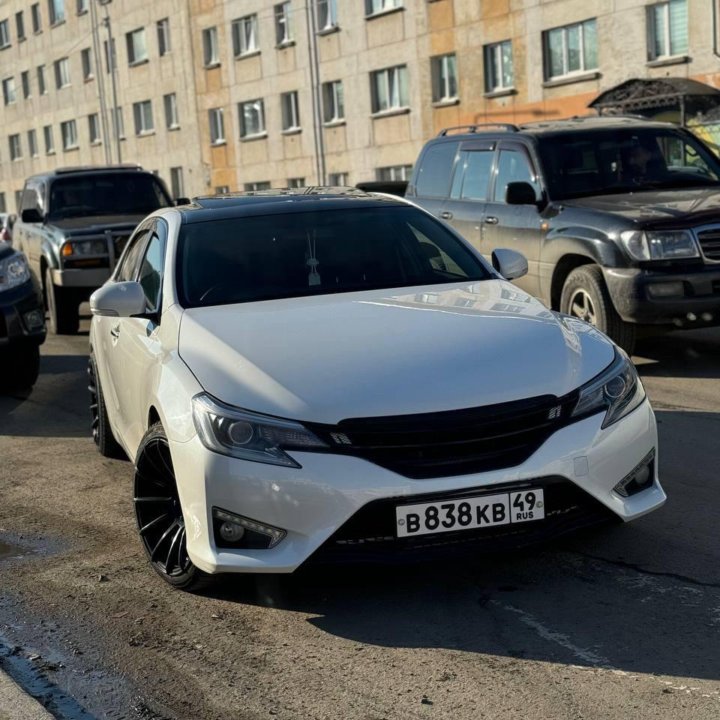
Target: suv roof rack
509 127
92 168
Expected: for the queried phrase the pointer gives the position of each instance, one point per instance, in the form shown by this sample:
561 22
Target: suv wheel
585 296
62 306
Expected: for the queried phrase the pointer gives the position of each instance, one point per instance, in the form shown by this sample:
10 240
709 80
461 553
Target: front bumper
22 316
693 299
88 278
312 503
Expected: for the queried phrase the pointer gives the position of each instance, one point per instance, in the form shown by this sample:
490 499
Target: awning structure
651 97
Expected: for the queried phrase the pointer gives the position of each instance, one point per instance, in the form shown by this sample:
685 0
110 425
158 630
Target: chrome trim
696 234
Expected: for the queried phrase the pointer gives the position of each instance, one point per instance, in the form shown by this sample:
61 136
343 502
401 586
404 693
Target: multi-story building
222 95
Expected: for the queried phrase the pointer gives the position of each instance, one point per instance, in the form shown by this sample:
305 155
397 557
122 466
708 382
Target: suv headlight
14 271
618 390
250 436
659 245
84 247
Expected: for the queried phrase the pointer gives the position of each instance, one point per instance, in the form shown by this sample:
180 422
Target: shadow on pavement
694 354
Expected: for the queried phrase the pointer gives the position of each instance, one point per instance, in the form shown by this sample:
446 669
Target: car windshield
123 193
582 164
296 254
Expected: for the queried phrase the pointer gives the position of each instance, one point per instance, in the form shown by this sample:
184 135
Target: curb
16 704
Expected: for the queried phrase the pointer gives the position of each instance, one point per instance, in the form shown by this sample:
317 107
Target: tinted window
151 271
127 269
435 170
473 175
106 194
313 253
513 166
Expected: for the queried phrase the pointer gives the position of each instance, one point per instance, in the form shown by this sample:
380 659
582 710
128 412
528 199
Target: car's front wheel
585 296
160 519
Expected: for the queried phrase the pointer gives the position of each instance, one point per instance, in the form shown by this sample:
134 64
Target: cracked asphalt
619 622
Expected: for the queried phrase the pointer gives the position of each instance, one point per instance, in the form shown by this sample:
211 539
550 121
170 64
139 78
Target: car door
514 226
134 343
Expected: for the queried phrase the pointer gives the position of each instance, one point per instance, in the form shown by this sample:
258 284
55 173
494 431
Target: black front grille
457 442
709 240
370 534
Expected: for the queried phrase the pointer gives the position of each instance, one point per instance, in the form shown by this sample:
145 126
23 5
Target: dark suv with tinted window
74 223
619 218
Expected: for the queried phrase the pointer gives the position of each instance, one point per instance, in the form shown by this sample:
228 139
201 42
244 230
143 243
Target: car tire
159 515
585 296
23 368
102 433
62 306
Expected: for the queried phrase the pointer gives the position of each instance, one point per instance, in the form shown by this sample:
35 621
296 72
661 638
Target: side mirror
182 201
520 193
510 263
118 299
32 215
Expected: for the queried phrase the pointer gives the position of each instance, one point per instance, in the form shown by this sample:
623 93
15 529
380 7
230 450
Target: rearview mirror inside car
118 299
509 263
520 193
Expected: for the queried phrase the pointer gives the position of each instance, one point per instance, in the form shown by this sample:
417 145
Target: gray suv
74 223
619 218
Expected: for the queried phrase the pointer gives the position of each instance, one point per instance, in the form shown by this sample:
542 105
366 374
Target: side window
30 197
472 177
151 271
513 166
435 170
127 269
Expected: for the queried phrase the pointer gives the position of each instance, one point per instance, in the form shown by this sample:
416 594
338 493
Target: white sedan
332 374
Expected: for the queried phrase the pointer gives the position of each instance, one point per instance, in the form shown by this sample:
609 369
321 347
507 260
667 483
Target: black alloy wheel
102 433
159 513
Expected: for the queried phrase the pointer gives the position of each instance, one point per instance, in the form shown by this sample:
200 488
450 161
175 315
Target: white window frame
257 186
211 50
290 111
246 40
25 84
94 132
49 139
69 135
440 69
56 12
296 182
15 144
177 184
379 7
172 119
667 35
283 24
118 123
9 90
143 118
4 34
258 105
387 81
565 56
333 93
339 179
20 26
83 6
216 121
62 73
392 173
86 60
42 84
32 143
495 67
36 18
163 35
136 43
327 15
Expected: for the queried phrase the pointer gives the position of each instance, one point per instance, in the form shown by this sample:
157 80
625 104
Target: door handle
491 220
115 331
446 215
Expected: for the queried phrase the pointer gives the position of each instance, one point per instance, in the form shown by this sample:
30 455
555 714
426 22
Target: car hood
328 358
666 208
96 223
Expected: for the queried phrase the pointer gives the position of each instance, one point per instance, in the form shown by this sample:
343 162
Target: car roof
87 170
280 202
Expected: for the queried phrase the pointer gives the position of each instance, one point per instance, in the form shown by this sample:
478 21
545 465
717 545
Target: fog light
641 477
34 320
230 532
666 289
240 532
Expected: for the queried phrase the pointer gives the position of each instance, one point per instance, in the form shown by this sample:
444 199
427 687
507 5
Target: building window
9 92
177 187
333 101
222 189
57 11
252 118
296 182
143 114
389 89
571 49
49 140
374 7
68 132
62 73
83 6
20 25
245 35
499 73
338 179
3 207
667 29
171 111
444 78
326 13
118 123
290 111
394 172
15 147
257 186
35 17
136 47
4 34
42 88
283 25
211 54
86 61
163 34
216 117
32 143
25 82
94 129
110 55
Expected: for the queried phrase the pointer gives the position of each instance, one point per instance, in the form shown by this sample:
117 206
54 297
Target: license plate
470 513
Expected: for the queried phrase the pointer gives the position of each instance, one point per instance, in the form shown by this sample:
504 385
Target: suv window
127 270
436 169
151 271
513 166
472 176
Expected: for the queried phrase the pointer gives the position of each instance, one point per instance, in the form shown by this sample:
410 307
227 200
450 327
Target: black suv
619 218
74 223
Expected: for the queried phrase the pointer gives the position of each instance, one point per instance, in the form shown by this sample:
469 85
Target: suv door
431 184
514 226
29 236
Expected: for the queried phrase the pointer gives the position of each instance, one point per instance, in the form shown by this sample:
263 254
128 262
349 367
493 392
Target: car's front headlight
250 436
84 247
14 271
660 244
618 391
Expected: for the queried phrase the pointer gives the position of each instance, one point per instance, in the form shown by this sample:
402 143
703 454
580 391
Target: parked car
74 224
7 221
619 217
302 374
22 321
